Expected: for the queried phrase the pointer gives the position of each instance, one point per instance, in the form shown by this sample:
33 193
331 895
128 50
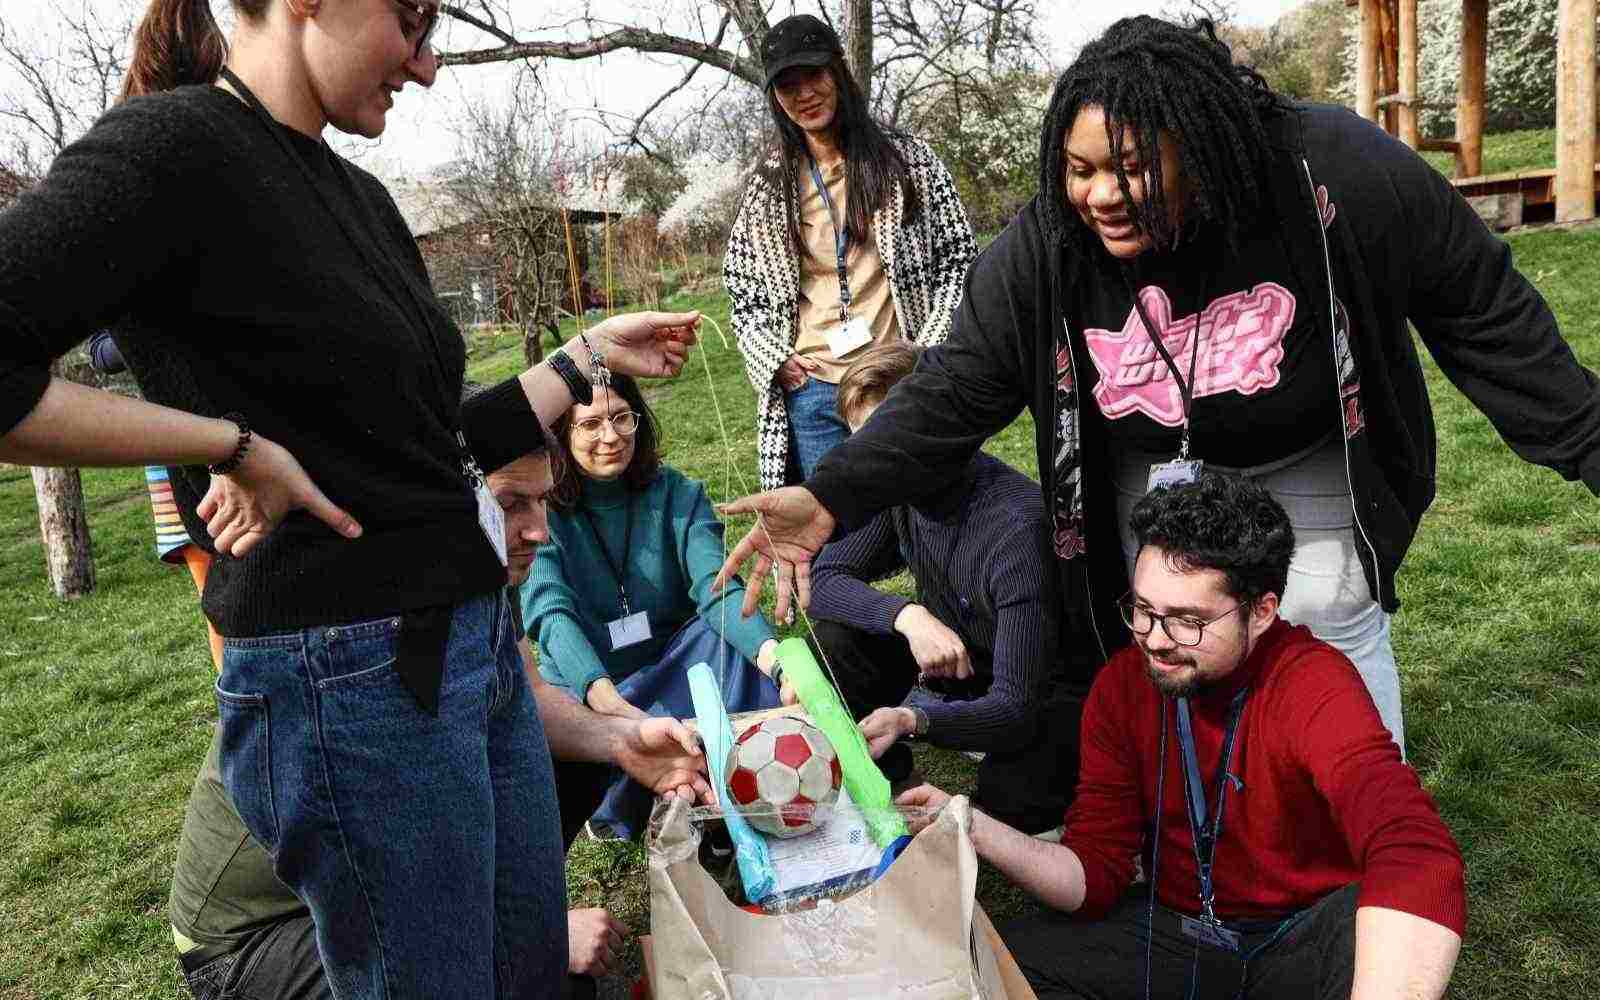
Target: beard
1189 679
1185 682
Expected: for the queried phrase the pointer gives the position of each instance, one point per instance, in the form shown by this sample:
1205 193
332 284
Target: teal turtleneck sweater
673 554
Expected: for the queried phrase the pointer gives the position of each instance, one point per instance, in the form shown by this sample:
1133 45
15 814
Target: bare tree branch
638 39
487 27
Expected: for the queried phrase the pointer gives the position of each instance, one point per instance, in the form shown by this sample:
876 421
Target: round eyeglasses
1185 630
624 423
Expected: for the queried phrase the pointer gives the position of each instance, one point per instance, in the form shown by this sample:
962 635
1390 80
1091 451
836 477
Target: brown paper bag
909 935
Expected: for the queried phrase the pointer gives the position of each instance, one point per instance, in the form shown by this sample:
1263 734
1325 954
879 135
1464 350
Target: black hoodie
1367 223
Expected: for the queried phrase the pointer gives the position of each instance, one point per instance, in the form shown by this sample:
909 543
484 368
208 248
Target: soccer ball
780 770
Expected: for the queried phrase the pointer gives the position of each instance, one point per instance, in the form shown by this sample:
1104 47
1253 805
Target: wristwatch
919 727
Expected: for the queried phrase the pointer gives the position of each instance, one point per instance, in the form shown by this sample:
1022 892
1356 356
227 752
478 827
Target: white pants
1327 590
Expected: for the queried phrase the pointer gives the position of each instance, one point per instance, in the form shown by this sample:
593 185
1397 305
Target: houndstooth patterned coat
926 264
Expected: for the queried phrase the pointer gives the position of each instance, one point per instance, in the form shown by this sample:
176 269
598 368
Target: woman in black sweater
379 736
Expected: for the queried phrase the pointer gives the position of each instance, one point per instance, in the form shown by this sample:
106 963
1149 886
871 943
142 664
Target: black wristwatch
919 727
562 364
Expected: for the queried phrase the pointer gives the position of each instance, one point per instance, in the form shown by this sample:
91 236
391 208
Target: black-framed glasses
625 423
419 24
1185 630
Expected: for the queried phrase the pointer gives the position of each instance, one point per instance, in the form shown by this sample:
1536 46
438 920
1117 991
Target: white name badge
629 630
848 336
1181 472
1209 933
493 521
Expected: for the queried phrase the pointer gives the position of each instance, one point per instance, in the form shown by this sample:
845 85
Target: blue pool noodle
750 848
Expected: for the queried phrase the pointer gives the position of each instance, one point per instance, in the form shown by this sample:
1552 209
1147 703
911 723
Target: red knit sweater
1326 799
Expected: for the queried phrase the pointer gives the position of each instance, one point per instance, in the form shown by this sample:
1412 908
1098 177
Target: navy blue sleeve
842 572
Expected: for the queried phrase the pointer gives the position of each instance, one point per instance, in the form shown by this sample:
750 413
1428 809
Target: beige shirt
819 279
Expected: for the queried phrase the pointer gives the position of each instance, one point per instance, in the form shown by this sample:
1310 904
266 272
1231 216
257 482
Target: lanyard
617 569
1205 839
1185 387
381 270
841 241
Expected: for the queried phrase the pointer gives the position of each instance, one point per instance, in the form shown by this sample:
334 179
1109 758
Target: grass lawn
1503 152
105 703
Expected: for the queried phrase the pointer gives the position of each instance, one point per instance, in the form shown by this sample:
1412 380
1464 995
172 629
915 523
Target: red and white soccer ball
781 770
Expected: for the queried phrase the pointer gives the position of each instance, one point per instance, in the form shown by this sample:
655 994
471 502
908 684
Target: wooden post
1469 98
1389 64
1575 111
1408 73
1367 61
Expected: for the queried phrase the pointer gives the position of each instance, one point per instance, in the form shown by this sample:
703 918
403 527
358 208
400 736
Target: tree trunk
65 529
858 42
532 341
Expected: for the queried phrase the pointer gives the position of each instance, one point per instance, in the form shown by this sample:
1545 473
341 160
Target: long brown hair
874 166
179 43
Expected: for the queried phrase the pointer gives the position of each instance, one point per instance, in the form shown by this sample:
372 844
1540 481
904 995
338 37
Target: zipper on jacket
1055 413
1344 425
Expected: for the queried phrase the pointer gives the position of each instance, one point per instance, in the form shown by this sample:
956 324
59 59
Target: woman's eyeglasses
419 23
624 423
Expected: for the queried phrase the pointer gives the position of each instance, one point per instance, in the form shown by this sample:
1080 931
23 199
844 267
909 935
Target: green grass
1503 152
105 703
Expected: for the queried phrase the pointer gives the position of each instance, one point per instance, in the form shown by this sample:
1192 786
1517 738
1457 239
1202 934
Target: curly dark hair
642 468
1155 78
1223 523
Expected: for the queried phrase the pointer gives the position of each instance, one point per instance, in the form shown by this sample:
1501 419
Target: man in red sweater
1293 853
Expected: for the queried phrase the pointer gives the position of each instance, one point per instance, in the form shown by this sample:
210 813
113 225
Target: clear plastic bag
905 931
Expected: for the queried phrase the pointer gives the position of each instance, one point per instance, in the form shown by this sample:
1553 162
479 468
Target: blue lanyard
841 241
1205 839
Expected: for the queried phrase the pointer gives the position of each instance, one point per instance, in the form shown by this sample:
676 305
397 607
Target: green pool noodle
868 788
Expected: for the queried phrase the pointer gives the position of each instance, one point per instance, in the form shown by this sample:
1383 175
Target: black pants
280 961
1313 958
1028 788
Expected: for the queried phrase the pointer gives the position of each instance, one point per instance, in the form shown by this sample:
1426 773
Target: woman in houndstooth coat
849 234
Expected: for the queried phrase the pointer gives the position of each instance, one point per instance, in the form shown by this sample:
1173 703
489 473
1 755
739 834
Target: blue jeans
814 423
427 848
662 689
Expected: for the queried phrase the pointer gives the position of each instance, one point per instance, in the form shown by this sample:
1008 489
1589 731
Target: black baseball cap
801 40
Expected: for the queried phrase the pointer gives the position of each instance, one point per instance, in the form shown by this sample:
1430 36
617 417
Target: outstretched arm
1053 873
659 753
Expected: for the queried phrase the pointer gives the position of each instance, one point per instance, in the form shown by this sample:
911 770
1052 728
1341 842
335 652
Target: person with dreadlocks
849 234
1214 276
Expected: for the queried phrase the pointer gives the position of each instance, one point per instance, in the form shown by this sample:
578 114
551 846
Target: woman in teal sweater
619 601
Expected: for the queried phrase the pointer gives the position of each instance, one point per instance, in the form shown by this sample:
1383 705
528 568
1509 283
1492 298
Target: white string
732 466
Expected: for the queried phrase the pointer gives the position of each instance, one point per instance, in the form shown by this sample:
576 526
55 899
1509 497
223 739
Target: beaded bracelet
599 374
240 448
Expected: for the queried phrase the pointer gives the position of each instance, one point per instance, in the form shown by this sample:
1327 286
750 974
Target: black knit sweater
182 222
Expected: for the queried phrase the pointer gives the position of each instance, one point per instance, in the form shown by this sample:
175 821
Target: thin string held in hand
732 466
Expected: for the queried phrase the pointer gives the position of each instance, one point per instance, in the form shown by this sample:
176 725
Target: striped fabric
170 535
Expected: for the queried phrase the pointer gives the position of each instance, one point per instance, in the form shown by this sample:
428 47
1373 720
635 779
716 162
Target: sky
418 136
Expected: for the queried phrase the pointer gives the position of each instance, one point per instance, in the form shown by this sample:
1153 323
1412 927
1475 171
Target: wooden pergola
1386 91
